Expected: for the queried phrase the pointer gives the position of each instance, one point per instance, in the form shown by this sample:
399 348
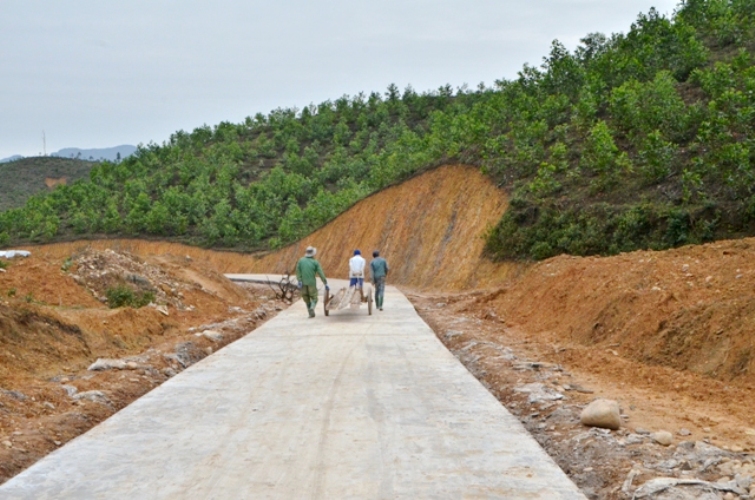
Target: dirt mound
690 309
212 262
430 229
103 273
41 279
53 327
165 280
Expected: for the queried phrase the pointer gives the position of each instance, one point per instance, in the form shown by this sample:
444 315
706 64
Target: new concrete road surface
348 406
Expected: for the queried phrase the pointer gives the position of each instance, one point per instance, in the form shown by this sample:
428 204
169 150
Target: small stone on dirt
17 395
663 438
453 333
602 413
579 388
213 335
538 393
107 364
70 390
93 396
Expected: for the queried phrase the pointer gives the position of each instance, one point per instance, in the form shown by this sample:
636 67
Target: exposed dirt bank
430 228
691 309
669 335
52 328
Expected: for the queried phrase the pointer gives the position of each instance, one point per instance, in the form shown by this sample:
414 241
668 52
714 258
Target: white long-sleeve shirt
356 267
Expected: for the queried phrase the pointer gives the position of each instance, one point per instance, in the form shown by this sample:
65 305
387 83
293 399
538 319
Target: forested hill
639 140
22 178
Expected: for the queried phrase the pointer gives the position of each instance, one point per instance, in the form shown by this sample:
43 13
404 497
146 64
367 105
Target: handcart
352 297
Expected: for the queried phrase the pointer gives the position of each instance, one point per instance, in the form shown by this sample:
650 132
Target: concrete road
345 407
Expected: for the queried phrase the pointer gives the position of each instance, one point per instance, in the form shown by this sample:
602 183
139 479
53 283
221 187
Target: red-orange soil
430 228
670 335
52 329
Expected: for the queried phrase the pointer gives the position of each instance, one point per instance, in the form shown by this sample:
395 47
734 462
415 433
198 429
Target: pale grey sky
94 73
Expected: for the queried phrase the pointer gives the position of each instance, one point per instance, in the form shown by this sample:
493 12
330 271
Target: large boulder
603 413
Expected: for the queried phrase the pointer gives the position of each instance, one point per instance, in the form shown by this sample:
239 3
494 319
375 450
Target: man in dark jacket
307 270
379 271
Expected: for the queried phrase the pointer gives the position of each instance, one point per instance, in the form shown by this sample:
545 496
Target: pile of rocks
99 270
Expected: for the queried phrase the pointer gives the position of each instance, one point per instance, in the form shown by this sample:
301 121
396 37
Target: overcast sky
100 73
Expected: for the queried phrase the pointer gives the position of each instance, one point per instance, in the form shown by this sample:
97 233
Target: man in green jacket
379 271
307 270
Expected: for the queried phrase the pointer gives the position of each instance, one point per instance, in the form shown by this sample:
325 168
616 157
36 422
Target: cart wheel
325 301
369 303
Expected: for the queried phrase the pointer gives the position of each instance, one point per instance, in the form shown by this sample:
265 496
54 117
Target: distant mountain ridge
93 154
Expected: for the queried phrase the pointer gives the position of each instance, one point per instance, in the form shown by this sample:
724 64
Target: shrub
602 157
600 150
640 108
123 296
545 182
656 157
66 265
692 184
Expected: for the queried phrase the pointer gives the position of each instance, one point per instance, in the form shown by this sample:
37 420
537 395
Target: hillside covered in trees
21 179
636 140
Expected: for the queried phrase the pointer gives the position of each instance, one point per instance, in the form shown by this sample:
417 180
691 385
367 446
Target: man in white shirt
356 269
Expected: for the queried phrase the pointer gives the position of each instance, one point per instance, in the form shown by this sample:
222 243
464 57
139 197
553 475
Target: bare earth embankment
53 329
669 335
